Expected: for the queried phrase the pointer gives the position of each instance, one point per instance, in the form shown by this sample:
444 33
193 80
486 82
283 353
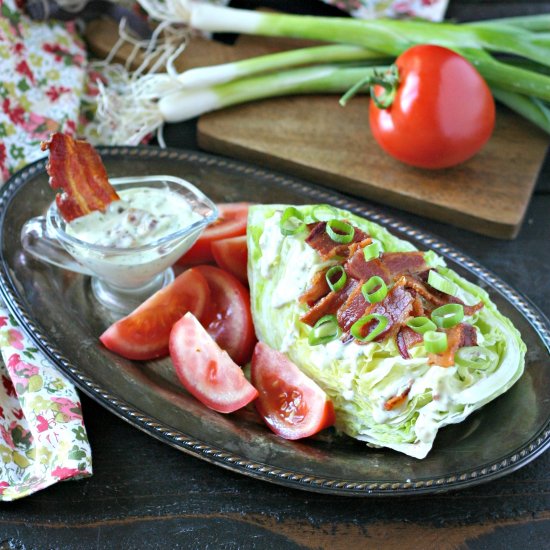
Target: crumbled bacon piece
405 339
359 268
353 309
76 168
320 240
459 336
329 304
389 266
434 296
396 307
396 400
317 290
399 263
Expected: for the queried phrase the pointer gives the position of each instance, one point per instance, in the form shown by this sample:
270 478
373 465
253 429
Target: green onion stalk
364 49
391 37
128 118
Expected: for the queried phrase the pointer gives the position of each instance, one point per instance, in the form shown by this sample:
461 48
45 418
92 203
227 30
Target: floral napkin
42 434
433 10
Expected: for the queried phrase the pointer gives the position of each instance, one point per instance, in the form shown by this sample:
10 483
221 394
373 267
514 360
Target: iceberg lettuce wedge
361 378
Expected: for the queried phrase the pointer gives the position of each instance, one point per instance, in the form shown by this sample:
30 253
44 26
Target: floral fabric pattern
43 74
432 10
42 434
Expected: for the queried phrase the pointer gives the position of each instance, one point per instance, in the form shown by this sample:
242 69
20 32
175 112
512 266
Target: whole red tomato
442 112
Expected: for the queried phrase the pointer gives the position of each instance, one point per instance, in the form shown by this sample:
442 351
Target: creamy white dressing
142 216
270 243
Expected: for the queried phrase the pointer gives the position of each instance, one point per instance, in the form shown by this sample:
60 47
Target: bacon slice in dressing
76 168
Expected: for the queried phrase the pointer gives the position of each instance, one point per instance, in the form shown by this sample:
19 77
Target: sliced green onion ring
340 231
448 316
421 324
435 342
371 251
476 357
325 330
441 283
323 212
332 273
292 221
378 329
370 294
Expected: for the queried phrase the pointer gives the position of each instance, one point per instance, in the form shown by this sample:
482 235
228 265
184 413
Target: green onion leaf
371 251
340 232
325 330
332 273
421 325
370 294
448 316
476 357
323 213
441 283
292 221
378 329
435 342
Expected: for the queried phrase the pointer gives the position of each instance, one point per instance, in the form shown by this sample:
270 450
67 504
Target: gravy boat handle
37 241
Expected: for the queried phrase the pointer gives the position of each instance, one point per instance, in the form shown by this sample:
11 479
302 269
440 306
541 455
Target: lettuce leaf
361 378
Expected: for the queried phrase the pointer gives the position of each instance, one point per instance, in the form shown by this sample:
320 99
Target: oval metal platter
58 311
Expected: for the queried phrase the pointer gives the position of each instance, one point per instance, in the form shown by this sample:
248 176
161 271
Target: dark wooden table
144 494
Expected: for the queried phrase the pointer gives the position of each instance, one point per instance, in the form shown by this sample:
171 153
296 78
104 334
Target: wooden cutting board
316 139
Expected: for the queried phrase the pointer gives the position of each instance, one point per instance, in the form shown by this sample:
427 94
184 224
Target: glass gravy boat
122 278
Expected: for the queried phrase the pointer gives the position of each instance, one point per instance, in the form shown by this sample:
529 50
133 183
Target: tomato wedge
145 333
291 404
227 318
205 370
231 222
232 255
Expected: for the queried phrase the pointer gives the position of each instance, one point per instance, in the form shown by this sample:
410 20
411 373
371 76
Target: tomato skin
231 222
443 112
232 255
274 375
144 334
227 317
205 370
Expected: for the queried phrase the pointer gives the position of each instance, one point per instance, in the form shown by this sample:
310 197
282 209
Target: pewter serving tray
57 309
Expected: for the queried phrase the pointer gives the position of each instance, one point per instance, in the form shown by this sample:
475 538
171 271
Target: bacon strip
77 169
399 263
389 266
353 309
434 296
320 240
396 400
459 336
317 290
405 339
329 304
358 268
396 307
